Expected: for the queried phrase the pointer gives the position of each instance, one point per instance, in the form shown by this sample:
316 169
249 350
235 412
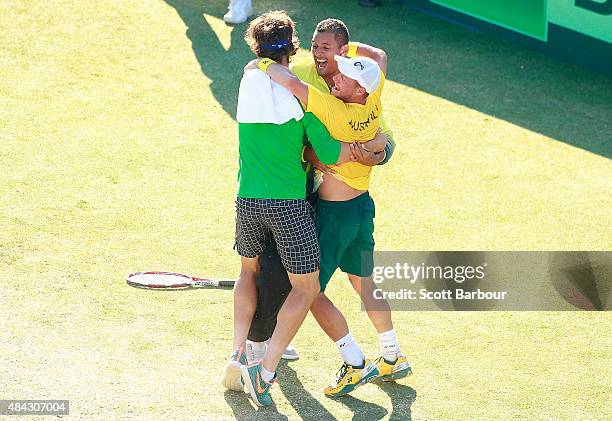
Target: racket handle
227 284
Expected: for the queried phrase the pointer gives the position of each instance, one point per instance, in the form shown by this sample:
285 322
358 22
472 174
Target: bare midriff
335 190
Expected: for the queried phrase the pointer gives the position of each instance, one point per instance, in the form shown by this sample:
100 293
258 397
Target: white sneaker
290 353
238 11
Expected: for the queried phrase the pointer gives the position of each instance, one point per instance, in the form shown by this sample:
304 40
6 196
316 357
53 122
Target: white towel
261 100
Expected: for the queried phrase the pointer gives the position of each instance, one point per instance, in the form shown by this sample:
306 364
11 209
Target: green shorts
346 237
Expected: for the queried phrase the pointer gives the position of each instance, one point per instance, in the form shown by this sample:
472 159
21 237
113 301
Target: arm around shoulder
329 150
377 54
286 78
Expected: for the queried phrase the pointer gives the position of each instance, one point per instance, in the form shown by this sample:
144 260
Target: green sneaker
233 377
256 386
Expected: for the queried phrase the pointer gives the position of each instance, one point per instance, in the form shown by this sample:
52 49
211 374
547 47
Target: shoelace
379 359
340 373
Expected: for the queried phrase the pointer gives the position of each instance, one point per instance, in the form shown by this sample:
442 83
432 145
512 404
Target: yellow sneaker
350 377
389 372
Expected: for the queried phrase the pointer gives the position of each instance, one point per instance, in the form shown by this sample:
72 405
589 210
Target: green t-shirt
271 157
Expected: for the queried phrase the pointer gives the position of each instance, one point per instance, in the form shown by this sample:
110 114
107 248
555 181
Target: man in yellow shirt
319 69
345 210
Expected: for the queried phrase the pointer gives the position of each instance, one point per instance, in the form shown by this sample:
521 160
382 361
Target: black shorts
288 221
273 286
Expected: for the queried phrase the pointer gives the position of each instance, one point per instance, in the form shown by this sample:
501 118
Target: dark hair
341 33
272 35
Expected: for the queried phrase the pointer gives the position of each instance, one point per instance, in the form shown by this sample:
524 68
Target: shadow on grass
308 407
245 411
362 411
482 72
223 67
402 397
303 402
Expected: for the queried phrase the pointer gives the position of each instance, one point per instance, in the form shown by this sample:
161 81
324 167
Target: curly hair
272 35
339 29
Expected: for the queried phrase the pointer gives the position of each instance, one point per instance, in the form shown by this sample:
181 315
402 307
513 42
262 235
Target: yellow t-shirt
347 122
305 69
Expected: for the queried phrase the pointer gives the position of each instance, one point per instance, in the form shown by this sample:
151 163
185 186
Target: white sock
256 351
350 351
388 345
266 374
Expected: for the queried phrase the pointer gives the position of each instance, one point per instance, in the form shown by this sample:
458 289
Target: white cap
362 69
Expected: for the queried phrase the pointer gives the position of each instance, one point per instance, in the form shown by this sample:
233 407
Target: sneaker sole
393 377
290 357
246 378
401 374
233 376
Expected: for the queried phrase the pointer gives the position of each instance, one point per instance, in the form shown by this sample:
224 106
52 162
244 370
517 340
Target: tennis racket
171 280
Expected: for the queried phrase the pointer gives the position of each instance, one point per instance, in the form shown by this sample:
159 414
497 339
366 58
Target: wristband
387 153
264 64
352 51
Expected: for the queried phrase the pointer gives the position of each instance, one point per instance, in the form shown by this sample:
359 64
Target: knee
311 289
249 265
321 304
356 281
315 288
305 282
248 272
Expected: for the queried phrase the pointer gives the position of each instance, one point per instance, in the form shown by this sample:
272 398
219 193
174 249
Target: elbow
294 84
383 56
299 89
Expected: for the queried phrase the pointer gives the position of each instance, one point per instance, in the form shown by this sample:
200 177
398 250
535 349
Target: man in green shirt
271 201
